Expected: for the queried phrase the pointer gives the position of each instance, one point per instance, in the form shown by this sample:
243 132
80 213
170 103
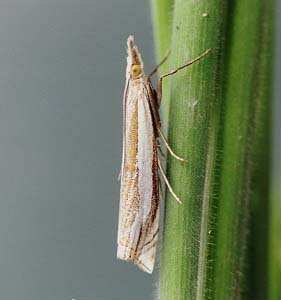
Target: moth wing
129 220
139 207
125 96
148 184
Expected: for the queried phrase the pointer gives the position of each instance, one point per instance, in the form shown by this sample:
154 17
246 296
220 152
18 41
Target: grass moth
139 196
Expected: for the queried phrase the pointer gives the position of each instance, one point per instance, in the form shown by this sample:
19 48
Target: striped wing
139 197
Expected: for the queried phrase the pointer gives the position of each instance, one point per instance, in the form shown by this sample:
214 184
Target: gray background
61 81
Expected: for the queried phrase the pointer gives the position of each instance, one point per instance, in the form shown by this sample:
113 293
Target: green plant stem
244 183
162 14
193 132
261 152
274 247
219 120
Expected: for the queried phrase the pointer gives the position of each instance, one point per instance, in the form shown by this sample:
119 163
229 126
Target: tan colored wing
139 197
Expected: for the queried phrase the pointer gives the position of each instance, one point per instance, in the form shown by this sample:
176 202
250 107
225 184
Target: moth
140 184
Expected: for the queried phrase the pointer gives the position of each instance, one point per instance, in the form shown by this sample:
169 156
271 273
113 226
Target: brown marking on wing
129 191
142 246
132 142
149 232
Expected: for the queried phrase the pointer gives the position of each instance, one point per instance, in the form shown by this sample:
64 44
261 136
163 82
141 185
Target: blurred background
61 80
62 77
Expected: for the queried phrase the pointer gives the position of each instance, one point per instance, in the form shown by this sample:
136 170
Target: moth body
139 194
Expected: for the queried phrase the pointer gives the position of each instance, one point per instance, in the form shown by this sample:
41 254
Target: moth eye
136 70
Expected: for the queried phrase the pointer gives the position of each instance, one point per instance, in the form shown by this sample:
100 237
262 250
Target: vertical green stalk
261 157
162 14
244 187
274 247
195 108
214 245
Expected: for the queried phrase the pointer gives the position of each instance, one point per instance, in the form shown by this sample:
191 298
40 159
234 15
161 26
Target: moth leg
152 97
169 147
167 183
159 83
161 191
160 150
159 65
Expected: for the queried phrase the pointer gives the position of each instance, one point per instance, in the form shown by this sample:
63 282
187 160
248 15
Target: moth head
136 71
134 61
